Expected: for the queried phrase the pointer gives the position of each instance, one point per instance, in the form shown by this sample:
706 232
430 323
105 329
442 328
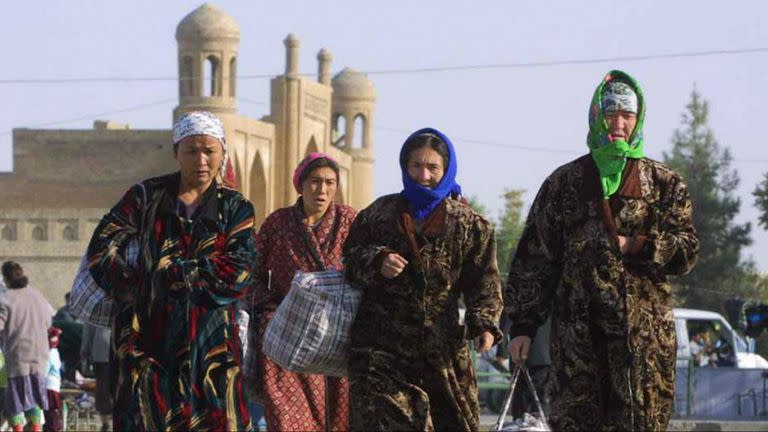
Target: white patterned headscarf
204 123
199 123
619 96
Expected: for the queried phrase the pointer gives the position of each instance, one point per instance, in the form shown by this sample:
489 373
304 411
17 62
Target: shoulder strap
308 243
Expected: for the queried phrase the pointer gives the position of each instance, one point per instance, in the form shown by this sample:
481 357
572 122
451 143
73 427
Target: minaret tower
354 99
208 40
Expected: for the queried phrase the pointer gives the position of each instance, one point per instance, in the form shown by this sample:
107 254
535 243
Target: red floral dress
285 244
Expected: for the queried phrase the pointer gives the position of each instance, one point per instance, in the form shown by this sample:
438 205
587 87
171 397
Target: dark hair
420 141
698 331
317 164
14 275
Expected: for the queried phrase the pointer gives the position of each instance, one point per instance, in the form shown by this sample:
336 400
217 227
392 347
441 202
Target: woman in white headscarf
176 336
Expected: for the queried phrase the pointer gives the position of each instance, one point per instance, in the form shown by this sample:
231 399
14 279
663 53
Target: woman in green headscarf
603 234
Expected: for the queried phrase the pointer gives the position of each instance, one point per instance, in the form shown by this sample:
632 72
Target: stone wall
82 168
48 243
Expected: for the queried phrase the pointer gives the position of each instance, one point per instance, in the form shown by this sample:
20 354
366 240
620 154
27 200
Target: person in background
95 351
255 408
65 313
701 348
25 316
53 419
70 339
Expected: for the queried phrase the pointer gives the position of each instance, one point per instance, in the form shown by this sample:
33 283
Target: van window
711 343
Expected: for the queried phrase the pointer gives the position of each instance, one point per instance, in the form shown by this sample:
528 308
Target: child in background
53 421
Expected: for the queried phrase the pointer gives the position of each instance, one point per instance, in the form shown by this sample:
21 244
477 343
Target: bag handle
508 400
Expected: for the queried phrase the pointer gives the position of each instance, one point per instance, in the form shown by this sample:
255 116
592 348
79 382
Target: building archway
8 233
258 189
212 76
359 134
69 233
38 233
239 169
311 147
339 131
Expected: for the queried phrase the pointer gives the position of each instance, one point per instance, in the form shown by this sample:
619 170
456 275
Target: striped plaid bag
88 301
310 331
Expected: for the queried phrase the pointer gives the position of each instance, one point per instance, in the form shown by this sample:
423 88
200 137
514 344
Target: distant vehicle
728 348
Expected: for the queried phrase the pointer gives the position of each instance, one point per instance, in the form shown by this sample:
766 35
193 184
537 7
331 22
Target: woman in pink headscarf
307 237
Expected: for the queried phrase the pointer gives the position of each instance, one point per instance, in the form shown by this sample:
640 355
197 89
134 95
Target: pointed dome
207 22
351 84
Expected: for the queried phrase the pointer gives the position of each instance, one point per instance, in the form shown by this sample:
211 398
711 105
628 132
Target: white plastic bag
529 422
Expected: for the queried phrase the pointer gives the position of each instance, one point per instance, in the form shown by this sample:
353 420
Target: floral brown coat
613 333
410 368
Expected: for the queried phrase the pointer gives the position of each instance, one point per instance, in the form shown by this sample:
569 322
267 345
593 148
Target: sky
512 126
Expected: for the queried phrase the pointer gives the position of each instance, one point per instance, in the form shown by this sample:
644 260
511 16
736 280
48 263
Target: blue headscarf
423 199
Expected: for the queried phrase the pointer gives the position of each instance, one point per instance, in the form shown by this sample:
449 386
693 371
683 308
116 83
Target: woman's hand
519 348
484 342
393 265
625 244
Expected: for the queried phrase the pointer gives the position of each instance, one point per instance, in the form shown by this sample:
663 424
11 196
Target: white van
728 348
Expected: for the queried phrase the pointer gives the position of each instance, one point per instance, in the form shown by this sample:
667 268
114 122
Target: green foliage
509 228
761 201
706 168
477 206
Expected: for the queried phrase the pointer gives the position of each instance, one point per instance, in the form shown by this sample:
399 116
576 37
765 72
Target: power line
533 149
491 143
92 116
571 61
383 128
401 71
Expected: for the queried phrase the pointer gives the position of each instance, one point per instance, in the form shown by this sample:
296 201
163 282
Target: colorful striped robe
178 355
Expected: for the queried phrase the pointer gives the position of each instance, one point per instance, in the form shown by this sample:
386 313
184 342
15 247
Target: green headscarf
611 156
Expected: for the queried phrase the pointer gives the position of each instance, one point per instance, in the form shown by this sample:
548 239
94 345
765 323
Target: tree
509 229
477 206
509 226
761 201
706 168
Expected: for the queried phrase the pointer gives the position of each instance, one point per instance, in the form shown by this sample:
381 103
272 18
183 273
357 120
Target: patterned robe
410 367
613 333
285 244
178 353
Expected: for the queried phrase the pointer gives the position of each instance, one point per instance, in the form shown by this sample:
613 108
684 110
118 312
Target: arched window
38 233
339 130
212 76
232 76
359 134
69 233
8 233
186 77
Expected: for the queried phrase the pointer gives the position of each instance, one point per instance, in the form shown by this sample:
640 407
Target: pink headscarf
303 166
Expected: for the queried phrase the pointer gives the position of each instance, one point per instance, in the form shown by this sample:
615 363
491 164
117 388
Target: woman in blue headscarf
415 254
